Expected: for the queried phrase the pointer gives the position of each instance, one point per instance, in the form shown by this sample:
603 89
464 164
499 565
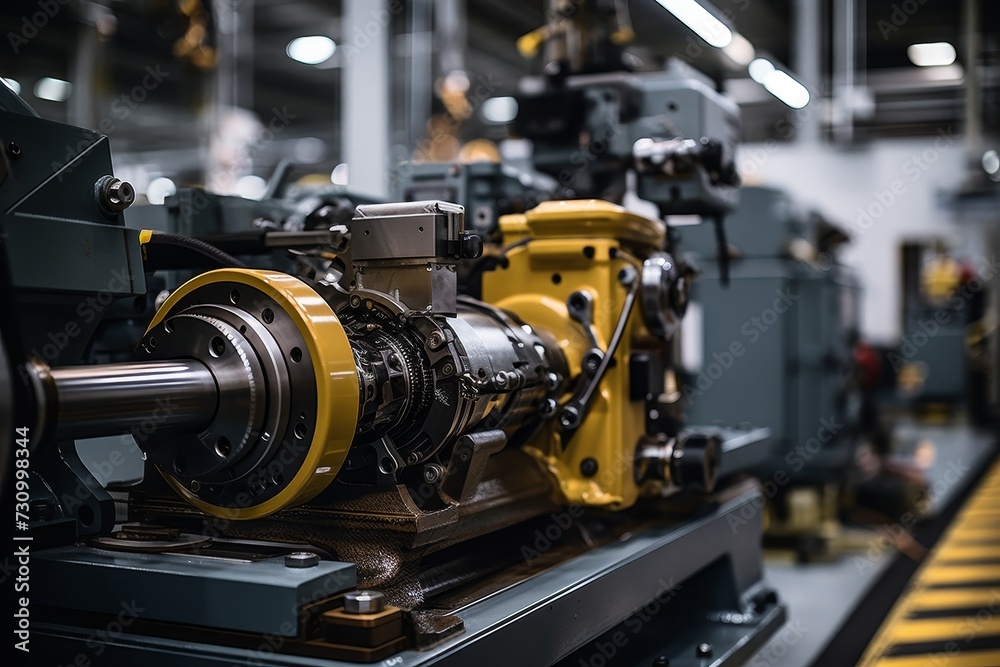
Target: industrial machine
599 128
346 459
944 318
785 324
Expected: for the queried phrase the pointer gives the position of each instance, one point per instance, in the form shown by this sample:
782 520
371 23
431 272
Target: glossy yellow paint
581 245
960 659
336 385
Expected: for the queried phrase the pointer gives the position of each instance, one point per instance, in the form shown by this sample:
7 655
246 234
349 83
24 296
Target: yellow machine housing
555 249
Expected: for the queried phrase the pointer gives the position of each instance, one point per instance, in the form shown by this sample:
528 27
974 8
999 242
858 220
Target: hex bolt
588 467
435 340
13 149
570 417
302 559
547 407
704 650
115 195
364 602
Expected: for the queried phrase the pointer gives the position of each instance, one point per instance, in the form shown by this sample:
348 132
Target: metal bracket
387 461
572 413
468 463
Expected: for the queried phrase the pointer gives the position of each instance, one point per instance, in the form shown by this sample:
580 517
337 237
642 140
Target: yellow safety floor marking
949 615
960 659
934 599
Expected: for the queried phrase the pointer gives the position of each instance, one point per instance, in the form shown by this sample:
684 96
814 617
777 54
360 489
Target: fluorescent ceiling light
700 20
778 83
500 109
934 54
760 69
740 50
311 50
12 84
787 89
55 90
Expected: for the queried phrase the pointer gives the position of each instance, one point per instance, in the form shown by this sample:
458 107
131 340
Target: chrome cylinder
110 399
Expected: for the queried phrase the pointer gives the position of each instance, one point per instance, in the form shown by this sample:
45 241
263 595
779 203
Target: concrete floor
821 595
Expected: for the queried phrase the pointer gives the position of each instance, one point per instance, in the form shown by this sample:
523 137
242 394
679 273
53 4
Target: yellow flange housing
581 245
336 385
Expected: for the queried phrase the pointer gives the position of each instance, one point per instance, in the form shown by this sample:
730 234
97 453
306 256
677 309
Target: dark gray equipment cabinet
773 348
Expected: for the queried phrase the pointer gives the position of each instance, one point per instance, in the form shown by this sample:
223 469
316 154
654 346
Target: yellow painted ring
336 385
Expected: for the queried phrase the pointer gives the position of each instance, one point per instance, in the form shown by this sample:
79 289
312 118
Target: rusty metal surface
384 532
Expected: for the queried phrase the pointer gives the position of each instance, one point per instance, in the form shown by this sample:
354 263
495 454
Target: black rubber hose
196 245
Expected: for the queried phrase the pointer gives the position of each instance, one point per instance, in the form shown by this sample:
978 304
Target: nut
364 602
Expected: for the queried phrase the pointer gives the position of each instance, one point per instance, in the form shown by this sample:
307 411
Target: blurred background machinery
786 325
245 137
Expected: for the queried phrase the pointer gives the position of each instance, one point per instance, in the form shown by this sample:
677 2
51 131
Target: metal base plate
695 582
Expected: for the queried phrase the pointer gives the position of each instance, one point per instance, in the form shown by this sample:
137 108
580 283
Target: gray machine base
663 591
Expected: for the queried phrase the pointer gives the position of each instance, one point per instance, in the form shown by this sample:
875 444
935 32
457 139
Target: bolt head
548 407
115 195
301 559
364 602
704 650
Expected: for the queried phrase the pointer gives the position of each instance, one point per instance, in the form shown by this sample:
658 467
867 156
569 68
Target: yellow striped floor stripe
934 599
968 659
953 602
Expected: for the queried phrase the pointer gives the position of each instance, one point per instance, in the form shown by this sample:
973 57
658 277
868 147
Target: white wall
883 194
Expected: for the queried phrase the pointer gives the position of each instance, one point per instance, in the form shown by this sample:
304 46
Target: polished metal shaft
111 399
